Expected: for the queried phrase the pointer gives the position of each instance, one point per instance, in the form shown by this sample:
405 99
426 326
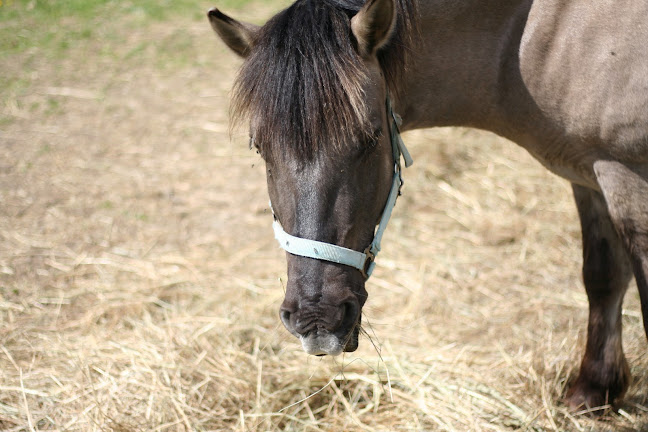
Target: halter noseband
363 261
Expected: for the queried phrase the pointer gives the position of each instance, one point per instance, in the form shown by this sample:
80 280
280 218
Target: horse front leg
604 374
625 188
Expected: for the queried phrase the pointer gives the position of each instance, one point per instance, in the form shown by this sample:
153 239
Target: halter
363 261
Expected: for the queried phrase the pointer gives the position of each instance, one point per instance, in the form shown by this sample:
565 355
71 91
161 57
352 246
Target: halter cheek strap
363 261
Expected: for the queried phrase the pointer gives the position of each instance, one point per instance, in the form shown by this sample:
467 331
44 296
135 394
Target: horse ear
373 25
237 35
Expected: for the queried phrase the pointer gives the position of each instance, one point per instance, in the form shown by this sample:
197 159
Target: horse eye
368 146
374 138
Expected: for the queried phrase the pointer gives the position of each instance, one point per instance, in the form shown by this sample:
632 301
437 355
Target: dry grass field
140 281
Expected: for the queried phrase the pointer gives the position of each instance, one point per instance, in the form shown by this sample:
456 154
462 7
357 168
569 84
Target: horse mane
302 83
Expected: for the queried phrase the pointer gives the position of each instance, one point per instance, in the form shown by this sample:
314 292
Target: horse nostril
285 316
350 310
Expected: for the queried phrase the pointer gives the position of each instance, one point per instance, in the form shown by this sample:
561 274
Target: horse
321 83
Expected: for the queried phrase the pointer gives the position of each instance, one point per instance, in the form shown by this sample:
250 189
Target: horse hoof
589 401
593 400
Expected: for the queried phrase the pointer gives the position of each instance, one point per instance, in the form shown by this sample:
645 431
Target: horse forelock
302 85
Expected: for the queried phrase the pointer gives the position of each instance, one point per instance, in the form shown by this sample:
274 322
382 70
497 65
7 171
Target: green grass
34 33
55 25
56 9
155 9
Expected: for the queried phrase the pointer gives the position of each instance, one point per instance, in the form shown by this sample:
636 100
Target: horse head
314 88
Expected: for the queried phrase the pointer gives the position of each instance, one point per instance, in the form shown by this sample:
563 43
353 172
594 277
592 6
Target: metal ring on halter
369 264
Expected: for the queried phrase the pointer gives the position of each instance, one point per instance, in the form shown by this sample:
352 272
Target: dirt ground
140 281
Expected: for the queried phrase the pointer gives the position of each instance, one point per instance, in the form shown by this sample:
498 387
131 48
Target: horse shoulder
585 65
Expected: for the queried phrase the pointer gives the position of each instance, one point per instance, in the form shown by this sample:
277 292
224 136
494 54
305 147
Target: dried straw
139 281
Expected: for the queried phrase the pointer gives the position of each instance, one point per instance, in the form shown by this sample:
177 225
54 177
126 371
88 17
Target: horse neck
466 64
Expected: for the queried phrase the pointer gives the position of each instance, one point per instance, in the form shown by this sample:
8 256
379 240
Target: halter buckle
369 262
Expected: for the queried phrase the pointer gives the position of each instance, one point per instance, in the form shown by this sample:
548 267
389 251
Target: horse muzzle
324 329
325 343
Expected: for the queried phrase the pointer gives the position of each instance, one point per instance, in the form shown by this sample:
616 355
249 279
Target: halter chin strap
363 261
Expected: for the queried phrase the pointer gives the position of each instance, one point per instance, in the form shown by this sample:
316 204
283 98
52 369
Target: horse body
559 78
566 80
585 68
